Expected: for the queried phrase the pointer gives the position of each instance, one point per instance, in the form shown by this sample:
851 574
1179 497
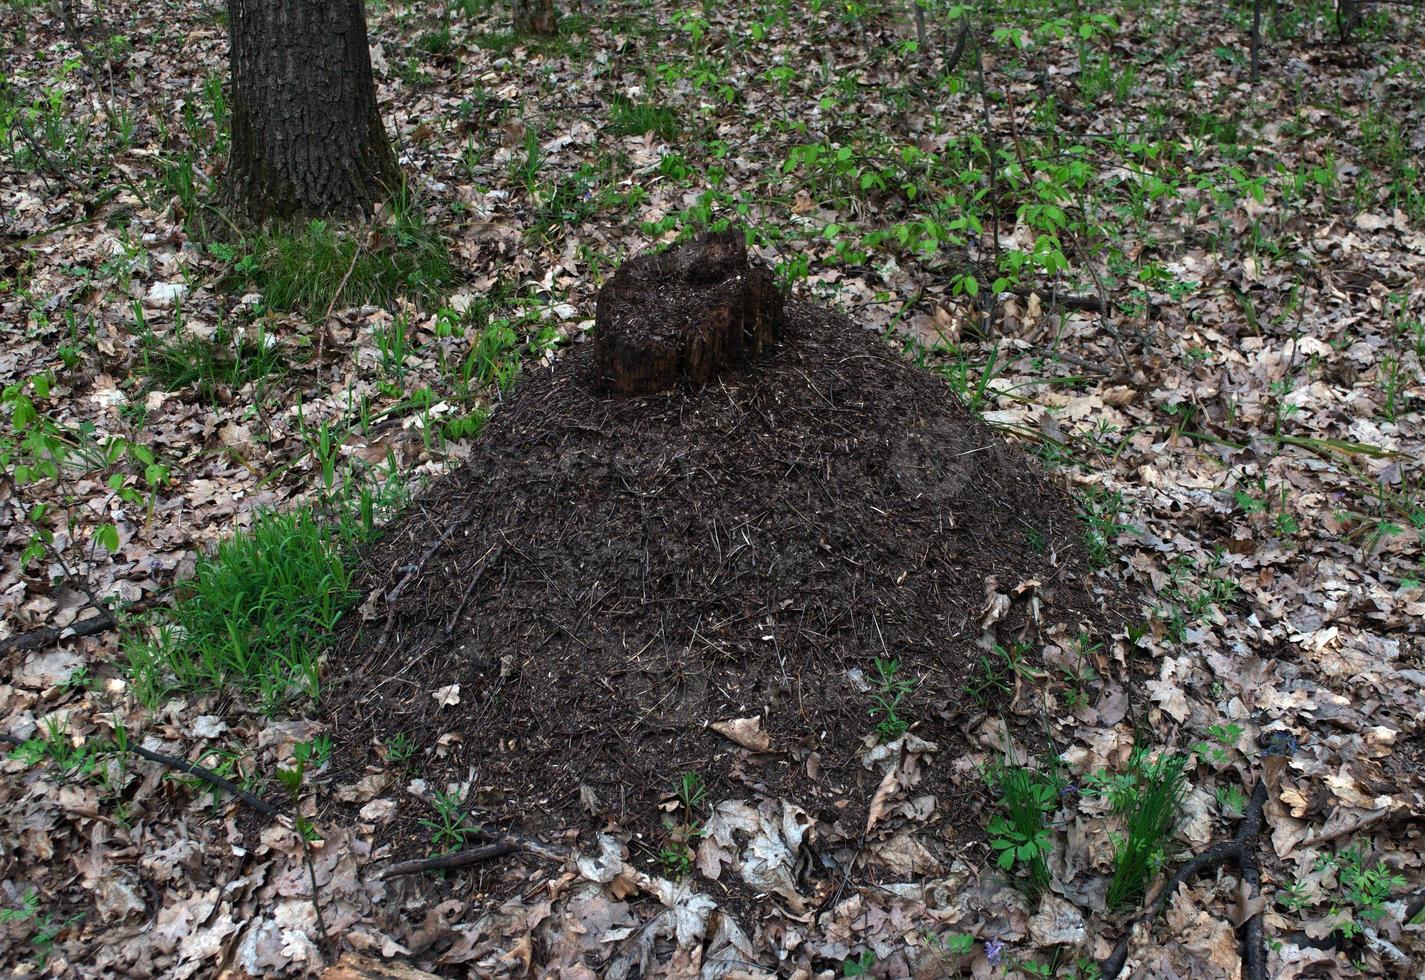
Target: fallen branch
1086 304
41 638
1095 367
190 769
457 859
209 777
1242 851
490 557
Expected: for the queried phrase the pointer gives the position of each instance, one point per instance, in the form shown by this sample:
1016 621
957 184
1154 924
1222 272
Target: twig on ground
992 153
322 330
40 638
1256 40
412 571
1083 362
490 558
209 777
191 769
457 859
1242 851
1087 304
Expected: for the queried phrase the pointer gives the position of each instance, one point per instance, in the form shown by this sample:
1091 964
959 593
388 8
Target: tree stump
684 315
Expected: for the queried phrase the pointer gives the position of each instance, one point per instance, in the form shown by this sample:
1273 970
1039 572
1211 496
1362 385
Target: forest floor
1193 297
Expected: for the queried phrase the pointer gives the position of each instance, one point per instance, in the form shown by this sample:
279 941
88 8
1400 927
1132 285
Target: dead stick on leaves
192 769
209 777
458 859
40 638
1242 851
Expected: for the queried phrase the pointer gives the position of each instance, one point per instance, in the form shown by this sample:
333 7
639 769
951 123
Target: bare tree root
1241 851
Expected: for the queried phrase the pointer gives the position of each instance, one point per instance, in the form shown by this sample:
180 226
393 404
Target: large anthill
726 506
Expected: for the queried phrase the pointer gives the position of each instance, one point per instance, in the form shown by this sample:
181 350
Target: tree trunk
684 316
535 17
307 137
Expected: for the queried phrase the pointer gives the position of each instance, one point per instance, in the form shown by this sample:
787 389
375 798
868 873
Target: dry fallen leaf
746 732
889 784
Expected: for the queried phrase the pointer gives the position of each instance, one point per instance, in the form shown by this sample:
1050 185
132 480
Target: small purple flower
1068 791
993 949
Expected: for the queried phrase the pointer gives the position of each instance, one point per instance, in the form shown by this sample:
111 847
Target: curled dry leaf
889 784
746 732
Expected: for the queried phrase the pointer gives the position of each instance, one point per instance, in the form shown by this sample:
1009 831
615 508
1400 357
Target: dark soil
605 577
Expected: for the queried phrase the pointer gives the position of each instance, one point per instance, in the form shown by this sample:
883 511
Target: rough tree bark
307 137
683 316
535 17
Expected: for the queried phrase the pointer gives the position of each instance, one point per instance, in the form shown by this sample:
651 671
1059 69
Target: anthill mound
608 575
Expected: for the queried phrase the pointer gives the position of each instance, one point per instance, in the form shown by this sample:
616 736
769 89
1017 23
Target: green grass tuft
322 266
224 361
629 118
255 617
1020 836
1149 799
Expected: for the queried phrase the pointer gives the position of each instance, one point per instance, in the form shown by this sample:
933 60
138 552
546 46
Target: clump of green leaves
1149 800
44 929
629 118
449 830
995 672
399 749
859 966
1100 511
888 697
1020 835
256 615
676 855
1364 889
41 454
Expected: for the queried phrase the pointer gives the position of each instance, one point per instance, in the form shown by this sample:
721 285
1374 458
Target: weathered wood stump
684 315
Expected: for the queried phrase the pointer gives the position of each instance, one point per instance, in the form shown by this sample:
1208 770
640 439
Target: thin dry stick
490 558
71 27
992 151
411 572
322 332
457 859
191 769
1256 39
